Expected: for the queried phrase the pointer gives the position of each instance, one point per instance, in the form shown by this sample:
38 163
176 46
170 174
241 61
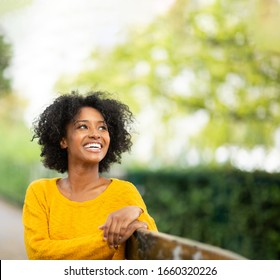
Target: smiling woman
84 215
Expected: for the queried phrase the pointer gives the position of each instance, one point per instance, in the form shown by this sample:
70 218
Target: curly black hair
50 127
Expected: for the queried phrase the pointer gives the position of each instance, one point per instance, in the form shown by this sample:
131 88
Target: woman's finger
131 229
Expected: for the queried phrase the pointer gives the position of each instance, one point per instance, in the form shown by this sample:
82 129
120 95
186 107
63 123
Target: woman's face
87 138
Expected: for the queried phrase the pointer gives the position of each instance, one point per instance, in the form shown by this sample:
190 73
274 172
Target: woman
84 215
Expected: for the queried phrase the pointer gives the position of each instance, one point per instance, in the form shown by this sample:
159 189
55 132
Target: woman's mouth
93 146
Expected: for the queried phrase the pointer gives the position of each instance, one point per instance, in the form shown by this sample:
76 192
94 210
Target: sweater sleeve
133 197
40 246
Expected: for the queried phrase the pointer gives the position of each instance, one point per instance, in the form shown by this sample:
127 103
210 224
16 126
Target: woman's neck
79 179
82 185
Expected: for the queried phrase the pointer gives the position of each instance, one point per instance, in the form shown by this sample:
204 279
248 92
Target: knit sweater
58 228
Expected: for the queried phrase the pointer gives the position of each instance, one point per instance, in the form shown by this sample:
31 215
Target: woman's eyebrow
77 121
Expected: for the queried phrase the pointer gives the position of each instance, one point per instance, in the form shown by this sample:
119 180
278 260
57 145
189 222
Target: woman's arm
121 224
39 245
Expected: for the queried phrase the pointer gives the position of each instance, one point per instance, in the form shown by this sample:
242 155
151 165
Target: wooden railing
148 245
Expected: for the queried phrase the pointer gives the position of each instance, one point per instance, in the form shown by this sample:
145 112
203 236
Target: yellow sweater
58 228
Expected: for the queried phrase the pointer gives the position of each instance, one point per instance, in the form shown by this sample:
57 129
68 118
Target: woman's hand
131 228
121 224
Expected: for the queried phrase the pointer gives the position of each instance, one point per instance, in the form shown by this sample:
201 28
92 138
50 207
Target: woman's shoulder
123 186
43 184
122 183
126 192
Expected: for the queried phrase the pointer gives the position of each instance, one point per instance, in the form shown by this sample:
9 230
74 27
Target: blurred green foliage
5 57
200 57
235 210
14 179
19 157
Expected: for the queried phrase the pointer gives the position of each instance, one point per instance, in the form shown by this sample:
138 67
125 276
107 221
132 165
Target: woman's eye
102 127
82 126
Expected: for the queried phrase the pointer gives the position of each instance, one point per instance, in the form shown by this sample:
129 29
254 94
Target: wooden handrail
149 245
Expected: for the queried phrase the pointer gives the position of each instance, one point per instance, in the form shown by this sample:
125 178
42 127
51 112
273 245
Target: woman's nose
94 133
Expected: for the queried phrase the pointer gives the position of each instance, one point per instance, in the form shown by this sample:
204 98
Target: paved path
11 232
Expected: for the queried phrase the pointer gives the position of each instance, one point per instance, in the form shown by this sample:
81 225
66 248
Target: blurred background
203 80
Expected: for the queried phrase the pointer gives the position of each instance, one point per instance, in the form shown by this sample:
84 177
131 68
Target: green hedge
235 210
15 176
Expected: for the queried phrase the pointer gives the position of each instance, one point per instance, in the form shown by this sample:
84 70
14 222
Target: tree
5 56
197 66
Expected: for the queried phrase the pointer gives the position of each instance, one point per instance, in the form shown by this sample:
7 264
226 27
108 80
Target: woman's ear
63 143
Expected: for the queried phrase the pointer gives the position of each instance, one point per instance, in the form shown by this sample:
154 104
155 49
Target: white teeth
93 146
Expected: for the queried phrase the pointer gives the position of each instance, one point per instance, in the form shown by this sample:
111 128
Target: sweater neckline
82 203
